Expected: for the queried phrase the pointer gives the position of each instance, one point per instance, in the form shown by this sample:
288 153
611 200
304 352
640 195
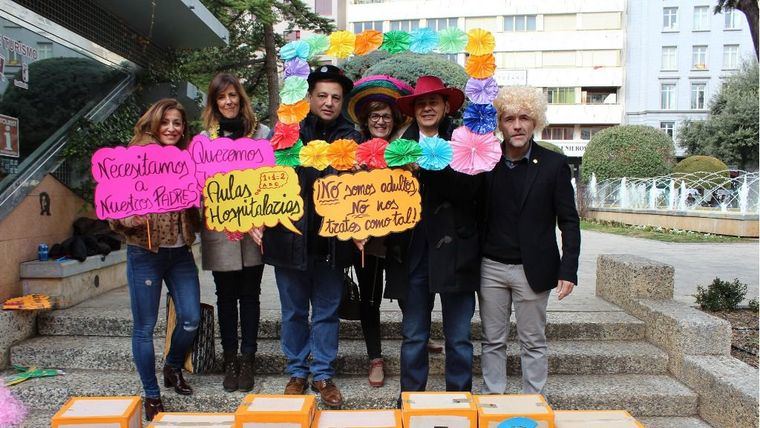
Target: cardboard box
493 409
287 411
100 412
438 409
358 419
595 419
198 420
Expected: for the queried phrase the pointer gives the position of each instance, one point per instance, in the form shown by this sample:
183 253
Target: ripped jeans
145 272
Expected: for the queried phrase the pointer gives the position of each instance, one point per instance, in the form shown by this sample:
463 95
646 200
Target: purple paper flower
480 118
297 67
481 91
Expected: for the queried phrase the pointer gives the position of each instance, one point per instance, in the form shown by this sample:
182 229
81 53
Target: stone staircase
597 360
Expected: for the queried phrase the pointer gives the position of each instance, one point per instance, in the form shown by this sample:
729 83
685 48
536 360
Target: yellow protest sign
238 201
365 204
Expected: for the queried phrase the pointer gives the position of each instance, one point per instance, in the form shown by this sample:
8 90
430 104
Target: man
527 195
308 267
440 255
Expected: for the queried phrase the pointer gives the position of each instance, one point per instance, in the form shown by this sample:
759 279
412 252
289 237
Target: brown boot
173 378
153 406
230 382
246 378
328 392
376 373
296 386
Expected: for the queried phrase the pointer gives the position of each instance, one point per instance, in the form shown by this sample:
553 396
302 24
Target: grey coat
219 253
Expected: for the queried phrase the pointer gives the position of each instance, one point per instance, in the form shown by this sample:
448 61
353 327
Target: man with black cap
308 267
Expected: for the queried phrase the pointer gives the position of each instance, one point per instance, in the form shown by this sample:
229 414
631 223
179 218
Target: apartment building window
701 18
589 131
598 95
14 58
44 50
323 7
405 25
564 22
519 23
669 58
368 25
668 96
487 23
699 57
668 128
560 95
557 133
731 20
698 95
730 57
439 24
670 19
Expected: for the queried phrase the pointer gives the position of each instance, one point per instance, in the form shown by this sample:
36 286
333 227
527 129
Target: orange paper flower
341 44
342 154
314 154
293 113
368 41
480 67
480 42
285 135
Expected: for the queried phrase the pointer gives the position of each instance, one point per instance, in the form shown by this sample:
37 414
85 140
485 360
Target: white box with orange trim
438 409
286 411
493 409
195 420
357 419
100 412
595 419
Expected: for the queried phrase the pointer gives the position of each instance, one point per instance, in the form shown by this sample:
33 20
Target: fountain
653 195
672 195
743 196
682 194
593 190
623 194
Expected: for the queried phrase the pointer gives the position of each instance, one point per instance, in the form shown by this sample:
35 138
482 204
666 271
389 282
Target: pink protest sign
223 155
140 180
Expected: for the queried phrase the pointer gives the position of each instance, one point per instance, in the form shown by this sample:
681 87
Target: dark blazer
449 213
548 201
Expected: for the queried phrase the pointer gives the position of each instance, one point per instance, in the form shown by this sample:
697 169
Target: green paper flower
396 41
401 152
318 44
452 40
289 157
293 90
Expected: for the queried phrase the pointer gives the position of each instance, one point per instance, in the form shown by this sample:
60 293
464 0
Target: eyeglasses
376 117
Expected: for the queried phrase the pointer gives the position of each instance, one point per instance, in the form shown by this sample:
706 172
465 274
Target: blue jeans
321 286
145 272
457 311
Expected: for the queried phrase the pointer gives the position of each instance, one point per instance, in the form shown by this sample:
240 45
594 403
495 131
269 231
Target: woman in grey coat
234 259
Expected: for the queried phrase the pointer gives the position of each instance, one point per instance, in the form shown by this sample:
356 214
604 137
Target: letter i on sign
7 137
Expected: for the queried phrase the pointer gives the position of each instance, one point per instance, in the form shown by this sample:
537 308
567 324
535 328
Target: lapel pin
535 160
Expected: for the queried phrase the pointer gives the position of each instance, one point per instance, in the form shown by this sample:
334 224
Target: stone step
642 395
565 357
91 321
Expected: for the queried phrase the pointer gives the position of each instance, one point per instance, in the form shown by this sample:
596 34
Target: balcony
602 114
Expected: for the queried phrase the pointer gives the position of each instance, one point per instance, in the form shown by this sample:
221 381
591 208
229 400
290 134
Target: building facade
678 54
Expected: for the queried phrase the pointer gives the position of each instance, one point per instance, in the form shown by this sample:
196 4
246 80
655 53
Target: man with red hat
440 255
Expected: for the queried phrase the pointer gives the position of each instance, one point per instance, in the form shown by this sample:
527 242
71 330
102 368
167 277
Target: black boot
246 380
230 382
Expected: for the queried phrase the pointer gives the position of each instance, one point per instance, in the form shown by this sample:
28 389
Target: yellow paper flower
314 154
293 113
368 41
341 44
480 42
480 67
342 154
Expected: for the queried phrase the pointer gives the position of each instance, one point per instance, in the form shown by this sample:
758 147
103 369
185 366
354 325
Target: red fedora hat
430 85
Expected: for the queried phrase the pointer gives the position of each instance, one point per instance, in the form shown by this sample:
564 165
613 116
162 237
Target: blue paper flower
424 40
436 153
296 48
480 118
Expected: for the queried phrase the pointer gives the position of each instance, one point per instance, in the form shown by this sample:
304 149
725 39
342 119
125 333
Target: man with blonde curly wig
528 194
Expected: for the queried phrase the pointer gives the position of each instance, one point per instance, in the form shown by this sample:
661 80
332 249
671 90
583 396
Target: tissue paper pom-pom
285 135
480 42
436 153
480 67
396 41
482 91
341 44
293 113
291 156
368 41
480 118
423 40
314 154
295 49
372 153
474 153
294 89
342 154
318 44
401 152
296 67
12 410
452 40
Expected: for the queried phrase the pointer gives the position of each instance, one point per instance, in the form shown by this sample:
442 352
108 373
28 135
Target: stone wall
715 223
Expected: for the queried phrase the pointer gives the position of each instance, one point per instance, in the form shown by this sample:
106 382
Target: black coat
449 225
283 248
548 201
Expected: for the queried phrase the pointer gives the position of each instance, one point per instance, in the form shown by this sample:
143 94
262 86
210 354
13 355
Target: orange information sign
365 204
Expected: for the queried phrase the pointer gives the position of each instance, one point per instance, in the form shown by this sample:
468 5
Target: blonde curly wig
512 99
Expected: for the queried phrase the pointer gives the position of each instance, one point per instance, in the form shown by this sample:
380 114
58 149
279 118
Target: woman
372 106
166 257
234 259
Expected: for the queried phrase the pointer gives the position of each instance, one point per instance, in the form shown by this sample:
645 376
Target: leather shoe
153 406
173 377
328 392
296 386
434 347
376 373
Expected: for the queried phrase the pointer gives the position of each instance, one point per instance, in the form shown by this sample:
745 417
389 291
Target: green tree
358 64
750 10
409 66
730 132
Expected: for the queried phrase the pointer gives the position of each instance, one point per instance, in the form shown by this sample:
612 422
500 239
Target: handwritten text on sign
222 155
241 200
140 180
366 204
